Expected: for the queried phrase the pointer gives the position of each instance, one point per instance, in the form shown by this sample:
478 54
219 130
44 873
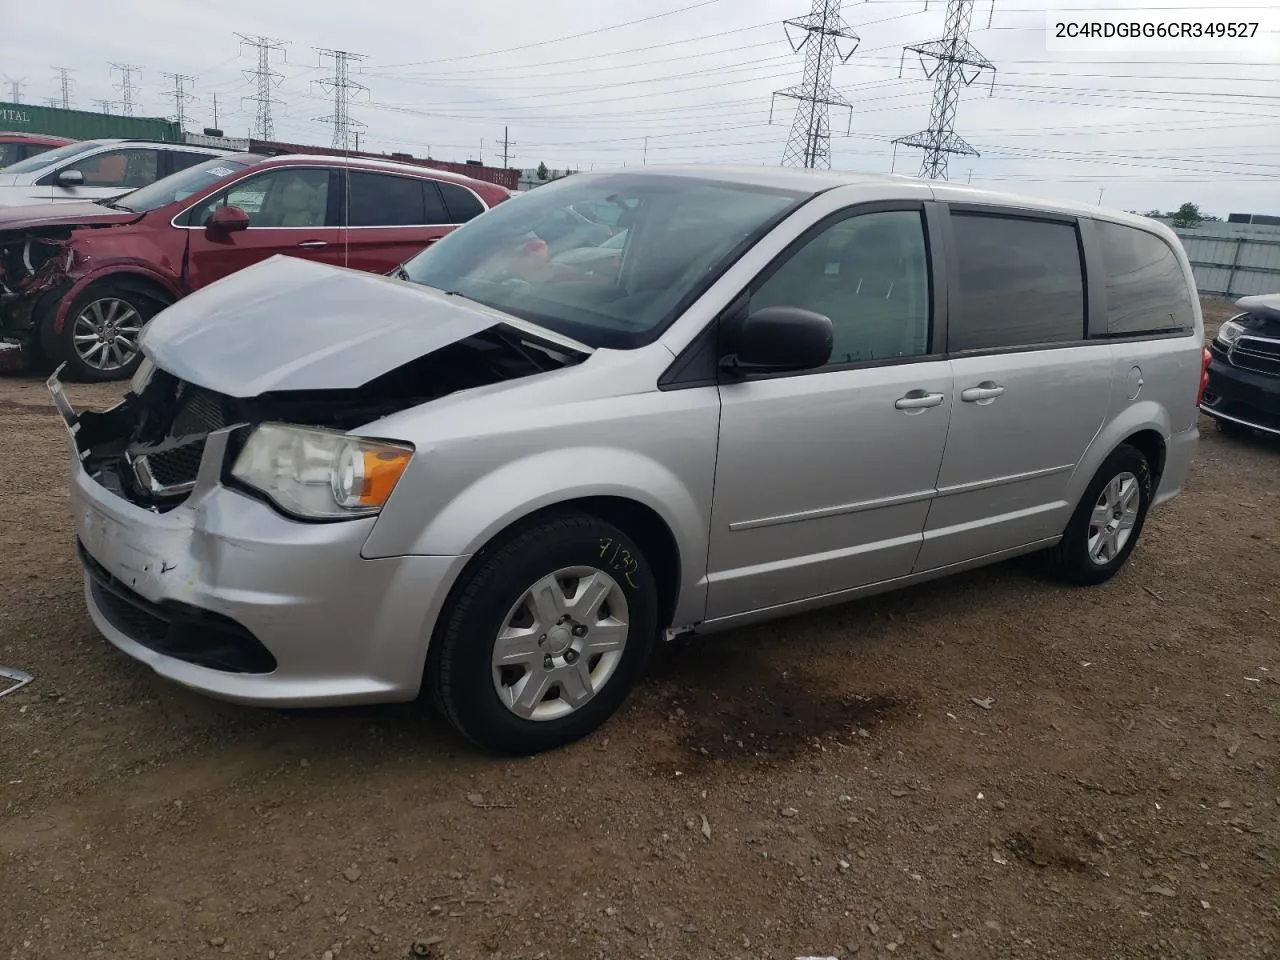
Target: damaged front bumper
224 595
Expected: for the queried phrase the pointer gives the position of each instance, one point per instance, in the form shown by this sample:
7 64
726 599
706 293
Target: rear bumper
1179 452
1242 397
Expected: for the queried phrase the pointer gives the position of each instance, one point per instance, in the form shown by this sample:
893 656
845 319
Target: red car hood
62 214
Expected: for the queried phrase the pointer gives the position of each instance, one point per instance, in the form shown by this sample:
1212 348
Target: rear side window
180 159
1146 289
380 200
460 202
1017 283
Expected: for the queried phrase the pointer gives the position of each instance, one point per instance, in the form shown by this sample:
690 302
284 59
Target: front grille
178 466
1259 354
176 630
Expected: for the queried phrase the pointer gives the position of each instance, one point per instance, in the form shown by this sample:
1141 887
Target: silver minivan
501 475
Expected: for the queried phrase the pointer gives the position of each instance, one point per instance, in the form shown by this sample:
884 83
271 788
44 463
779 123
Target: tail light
1204 375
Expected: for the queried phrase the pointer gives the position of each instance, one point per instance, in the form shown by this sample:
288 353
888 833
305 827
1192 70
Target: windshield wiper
110 202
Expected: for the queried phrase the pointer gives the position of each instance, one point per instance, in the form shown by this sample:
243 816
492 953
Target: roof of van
816 181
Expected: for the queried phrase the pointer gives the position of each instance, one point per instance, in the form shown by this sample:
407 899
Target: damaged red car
78 281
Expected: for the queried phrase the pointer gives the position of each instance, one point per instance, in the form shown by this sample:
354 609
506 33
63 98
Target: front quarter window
612 284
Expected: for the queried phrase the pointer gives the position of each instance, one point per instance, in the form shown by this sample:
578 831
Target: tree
1187 215
1153 213
543 172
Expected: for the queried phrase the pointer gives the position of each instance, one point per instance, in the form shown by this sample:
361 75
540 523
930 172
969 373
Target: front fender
81 281
517 489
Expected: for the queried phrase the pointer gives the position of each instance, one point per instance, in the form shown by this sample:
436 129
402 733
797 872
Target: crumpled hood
69 214
291 324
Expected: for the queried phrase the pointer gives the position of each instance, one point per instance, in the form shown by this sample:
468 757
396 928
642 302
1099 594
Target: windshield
608 284
183 184
49 157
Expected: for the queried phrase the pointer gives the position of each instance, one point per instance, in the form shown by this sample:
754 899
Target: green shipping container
83 124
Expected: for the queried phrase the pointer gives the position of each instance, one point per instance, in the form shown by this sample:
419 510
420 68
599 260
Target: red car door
291 210
391 218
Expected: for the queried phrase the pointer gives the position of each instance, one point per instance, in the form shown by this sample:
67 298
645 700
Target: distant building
1261 218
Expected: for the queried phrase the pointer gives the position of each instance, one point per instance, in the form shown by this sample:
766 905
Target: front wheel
1108 520
99 338
546 635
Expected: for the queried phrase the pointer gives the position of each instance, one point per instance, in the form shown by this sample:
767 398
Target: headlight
1229 332
321 474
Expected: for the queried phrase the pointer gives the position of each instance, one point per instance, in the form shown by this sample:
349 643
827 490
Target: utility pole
344 90
263 78
645 160
53 101
1100 190
65 81
126 86
104 105
820 35
215 109
15 88
970 180
506 147
955 61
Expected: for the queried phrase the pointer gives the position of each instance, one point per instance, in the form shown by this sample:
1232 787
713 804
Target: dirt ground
820 786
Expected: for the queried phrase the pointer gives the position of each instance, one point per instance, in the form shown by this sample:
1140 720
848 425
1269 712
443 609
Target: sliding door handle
982 393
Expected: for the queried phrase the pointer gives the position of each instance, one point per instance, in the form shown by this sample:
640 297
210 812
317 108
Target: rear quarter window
460 202
1146 290
1017 283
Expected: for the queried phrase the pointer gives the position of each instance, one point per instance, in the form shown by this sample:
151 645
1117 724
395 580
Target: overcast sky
1150 130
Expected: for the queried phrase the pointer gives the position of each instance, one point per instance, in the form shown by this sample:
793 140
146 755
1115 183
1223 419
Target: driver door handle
987 391
313 244
919 400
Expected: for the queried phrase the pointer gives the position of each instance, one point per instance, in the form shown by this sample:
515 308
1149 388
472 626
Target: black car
1244 371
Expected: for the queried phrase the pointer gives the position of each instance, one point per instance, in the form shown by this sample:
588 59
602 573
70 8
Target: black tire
1229 428
60 347
1070 559
460 671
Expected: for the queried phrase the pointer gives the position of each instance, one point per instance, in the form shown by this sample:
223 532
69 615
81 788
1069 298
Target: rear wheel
99 338
1105 527
546 635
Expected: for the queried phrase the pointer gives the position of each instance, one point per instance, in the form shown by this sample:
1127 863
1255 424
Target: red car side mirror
226 220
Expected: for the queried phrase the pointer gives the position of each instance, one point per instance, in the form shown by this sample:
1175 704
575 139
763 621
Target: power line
954 56
53 101
65 83
543 43
179 96
264 79
15 88
104 106
823 29
344 90
127 87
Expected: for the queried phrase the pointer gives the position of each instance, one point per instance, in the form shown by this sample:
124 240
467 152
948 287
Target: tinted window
461 202
380 200
870 275
1146 290
181 160
126 169
11 153
1016 283
434 203
50 157
288 197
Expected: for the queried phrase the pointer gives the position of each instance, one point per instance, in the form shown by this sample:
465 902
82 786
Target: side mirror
226 220
70 178
777 340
